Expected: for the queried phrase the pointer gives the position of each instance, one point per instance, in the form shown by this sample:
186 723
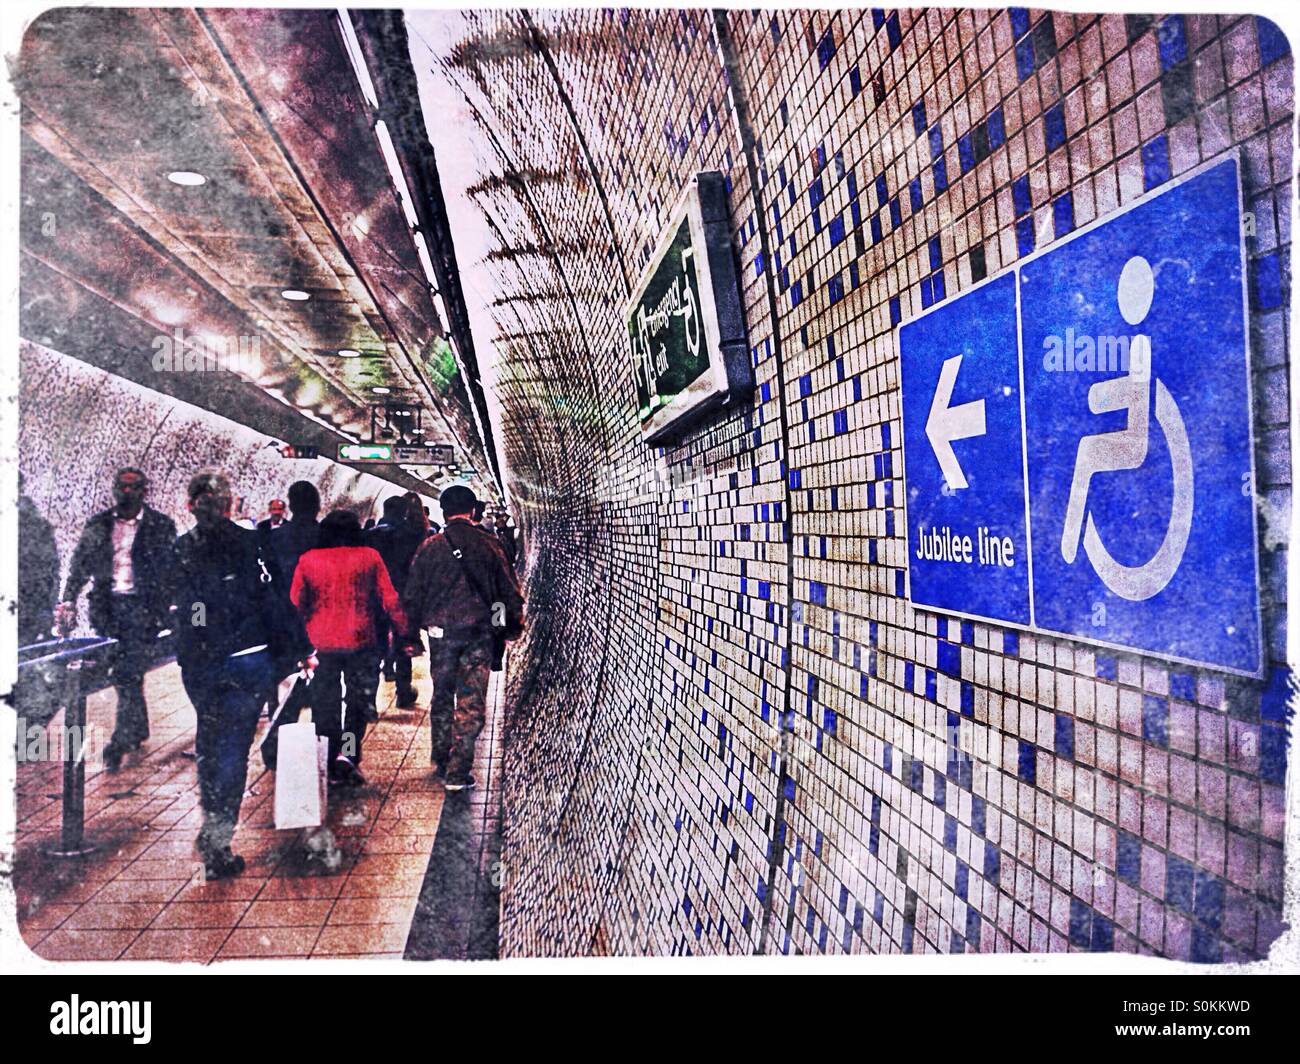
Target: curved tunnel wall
729 731
78 425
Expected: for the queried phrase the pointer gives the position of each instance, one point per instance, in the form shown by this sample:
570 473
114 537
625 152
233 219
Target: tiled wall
730 732
78 425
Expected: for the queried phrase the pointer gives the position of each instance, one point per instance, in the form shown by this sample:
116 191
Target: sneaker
406 698
459 783
113 755
343 773
222 865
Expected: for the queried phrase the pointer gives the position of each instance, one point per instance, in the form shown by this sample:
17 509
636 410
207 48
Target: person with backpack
236 636
464 593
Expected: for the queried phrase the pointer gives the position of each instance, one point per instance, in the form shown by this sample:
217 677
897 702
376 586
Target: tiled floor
142 896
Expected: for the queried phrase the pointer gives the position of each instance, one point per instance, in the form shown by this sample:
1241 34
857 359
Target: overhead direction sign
1127 512
397 454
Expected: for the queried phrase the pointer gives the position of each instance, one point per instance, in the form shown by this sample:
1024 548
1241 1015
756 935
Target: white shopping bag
300 777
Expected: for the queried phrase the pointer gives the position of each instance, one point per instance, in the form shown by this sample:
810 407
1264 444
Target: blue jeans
227 699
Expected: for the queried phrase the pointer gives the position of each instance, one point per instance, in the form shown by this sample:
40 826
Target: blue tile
1025 58
1172 38
1182 685
949 658
1155 720
1105 667
1272 754
1025 236
1011 644
914 189
1064 736
1268 282
1080 924
1273 44
1063 215
1179 883
826 48
836 229
992 863
1054 126
1026 761
977 814
1019 21
1128 857
1103 934
997 129
1020 197
936 141
965 153
1208 906
918 117
936 253
1155 162
940 175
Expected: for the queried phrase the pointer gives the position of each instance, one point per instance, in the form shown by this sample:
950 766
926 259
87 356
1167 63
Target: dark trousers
397 663
461 666
136 634
343 721
226 701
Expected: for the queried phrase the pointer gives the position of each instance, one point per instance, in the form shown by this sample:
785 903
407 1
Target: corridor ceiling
127 255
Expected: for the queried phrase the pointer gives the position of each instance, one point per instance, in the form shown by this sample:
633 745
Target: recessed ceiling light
417 432
187 178
380 390
294 294
348 352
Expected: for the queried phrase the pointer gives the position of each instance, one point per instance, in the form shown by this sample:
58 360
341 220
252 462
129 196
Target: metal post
72 842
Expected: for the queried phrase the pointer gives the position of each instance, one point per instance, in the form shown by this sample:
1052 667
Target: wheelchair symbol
1127 449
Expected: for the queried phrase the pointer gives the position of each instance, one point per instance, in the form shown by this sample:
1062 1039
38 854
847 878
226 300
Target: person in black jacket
296 536
126 553
397 537
38 572
236 633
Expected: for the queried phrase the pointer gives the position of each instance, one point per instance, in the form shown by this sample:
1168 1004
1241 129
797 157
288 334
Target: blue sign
1137 463
962 433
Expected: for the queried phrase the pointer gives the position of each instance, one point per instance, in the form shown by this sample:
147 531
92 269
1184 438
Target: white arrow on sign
947 423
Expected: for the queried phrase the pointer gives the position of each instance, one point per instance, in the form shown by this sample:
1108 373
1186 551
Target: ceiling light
294 294
348 352
188 178
417 432
378 390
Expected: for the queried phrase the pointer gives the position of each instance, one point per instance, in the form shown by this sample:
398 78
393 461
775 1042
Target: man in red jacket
462 589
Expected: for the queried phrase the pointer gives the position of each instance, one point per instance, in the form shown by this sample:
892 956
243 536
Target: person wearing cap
462 590
276 518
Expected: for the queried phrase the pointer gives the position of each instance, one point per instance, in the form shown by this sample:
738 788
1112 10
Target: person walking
344 595
397 537
233 623
125 554
292 539
506 535
463 591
